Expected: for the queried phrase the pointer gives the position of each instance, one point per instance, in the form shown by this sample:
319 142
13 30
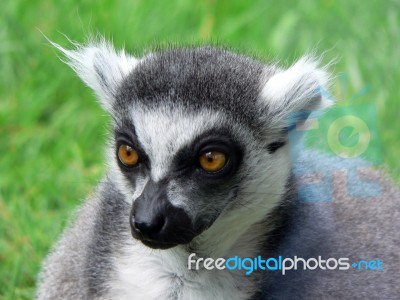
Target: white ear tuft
299 88
100 67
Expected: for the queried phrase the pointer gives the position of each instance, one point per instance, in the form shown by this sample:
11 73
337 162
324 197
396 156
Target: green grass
52 132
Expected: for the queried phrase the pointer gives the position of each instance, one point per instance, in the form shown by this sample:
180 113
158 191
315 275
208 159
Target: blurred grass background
52 132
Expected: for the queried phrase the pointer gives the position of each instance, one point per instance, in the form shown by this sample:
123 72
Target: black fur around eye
275 146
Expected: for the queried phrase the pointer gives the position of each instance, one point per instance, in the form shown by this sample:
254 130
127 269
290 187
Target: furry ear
100 67
288 93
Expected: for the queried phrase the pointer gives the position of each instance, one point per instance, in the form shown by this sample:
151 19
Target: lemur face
181 109
186 169
198 134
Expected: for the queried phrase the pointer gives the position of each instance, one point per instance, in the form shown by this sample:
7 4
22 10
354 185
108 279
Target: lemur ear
100 67
300 88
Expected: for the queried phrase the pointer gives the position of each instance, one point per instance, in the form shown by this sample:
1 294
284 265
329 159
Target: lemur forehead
165 131
195 78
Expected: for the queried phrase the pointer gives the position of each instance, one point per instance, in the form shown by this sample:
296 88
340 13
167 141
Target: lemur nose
148 229
158 223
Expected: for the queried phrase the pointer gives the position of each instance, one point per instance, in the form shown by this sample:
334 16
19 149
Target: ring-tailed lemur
198 162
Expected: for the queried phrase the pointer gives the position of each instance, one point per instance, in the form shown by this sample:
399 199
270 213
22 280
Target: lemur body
169 110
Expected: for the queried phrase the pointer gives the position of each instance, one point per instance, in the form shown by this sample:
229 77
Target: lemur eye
127 155
212 161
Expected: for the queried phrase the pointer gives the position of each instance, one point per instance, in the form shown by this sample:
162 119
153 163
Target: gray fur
166 103
350 227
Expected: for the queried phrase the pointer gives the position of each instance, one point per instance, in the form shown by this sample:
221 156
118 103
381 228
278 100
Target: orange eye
212 161
127 155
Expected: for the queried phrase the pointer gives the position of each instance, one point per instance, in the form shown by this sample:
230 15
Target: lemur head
199 134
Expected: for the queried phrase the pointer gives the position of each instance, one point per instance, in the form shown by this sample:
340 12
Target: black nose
148 229
158 223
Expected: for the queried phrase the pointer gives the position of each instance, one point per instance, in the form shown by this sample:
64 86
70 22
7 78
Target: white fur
165 131
143 273
162 133
100 67
292 90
